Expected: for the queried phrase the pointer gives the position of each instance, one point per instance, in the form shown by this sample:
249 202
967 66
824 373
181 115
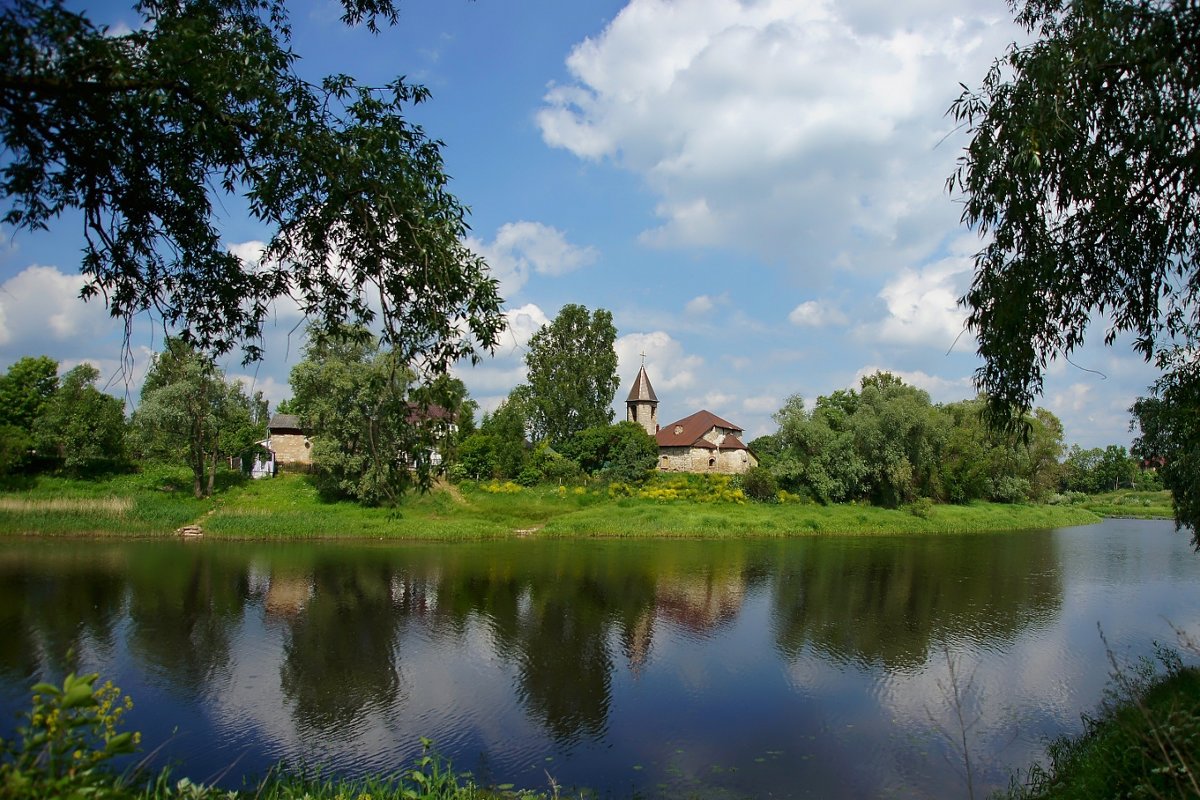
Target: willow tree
201 107
1083 175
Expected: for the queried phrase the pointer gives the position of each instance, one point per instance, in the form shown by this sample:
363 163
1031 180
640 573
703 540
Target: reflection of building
699 604
702 442
287 595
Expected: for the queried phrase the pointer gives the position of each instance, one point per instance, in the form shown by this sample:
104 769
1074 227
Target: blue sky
754 188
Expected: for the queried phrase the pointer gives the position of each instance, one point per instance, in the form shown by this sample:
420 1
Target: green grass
157 503
1129 503
1145 745
145 504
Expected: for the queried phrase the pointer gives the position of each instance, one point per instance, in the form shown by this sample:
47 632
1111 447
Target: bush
70 736
759 484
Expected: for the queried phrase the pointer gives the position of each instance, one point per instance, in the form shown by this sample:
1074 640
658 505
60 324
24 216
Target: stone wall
698 459
291 450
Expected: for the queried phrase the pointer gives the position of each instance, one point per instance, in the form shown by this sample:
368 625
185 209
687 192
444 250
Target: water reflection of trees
889 601
339 658
54 613
564 615
184 601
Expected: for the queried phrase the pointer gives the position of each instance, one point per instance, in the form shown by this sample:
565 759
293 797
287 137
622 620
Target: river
814 667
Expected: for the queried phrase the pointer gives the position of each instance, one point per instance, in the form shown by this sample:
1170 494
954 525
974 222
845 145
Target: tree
623 452
352 395
200 107
24 390
1082 169
507 428
82 426
572 373
189 413
1169 420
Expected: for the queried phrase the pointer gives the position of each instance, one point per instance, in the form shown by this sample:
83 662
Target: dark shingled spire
642 391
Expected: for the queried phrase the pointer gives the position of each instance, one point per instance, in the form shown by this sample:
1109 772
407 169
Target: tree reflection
54 614
184 601
890 601
339 658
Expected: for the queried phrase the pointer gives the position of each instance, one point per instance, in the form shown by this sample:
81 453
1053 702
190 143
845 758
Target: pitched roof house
702 442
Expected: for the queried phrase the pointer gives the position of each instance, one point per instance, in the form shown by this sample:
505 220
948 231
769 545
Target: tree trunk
212 472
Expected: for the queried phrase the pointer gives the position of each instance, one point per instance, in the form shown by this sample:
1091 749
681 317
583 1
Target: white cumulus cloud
521 249
800 131
923 308
41 304
811 314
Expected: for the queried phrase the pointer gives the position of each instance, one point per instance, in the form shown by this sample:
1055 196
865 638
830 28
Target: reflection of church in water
699 604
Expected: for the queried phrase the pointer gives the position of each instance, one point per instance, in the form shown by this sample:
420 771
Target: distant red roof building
702 442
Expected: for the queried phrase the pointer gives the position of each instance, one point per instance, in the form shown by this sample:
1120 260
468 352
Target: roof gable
689 432
284 422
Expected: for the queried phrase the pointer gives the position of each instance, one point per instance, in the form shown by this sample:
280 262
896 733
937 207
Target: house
443 424
289 447
702 442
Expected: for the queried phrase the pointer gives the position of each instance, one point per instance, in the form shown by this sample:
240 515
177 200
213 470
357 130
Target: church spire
642 404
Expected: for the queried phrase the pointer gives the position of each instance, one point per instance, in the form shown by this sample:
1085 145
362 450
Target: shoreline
288 508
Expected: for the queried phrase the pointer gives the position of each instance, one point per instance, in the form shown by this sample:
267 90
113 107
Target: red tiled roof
691 432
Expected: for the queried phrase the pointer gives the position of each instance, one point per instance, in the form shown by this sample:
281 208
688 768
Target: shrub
70 736
759 484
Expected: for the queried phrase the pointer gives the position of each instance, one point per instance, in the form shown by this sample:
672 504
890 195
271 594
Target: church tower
642 405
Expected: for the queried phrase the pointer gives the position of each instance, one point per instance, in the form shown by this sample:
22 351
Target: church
702 442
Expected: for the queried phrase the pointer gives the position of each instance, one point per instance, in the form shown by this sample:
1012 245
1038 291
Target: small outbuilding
289 445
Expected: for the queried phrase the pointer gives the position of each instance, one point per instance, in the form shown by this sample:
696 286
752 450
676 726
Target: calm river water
793 668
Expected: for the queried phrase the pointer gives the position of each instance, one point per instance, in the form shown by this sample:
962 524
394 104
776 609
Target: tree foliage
373 429
622 452
1082 171
189 413
146 133
572 373
1169 421
82 427
888 444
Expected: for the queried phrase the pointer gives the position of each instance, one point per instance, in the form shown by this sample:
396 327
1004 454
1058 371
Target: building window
712 462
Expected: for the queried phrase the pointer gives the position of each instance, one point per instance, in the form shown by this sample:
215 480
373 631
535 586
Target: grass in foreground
1144 743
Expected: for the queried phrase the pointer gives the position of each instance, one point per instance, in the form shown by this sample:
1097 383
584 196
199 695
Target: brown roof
642 390
691 432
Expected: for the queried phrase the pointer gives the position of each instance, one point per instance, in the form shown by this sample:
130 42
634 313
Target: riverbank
1144 743
289 507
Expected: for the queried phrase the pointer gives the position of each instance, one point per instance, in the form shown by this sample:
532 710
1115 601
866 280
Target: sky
756 189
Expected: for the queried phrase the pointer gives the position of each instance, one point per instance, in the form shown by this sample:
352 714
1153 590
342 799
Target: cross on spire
643 355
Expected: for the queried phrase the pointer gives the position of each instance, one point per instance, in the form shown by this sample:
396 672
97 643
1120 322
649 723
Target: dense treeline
888 444
188 414
378 430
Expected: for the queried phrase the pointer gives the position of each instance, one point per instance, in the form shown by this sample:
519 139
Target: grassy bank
1144 743
1130 504
289 507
